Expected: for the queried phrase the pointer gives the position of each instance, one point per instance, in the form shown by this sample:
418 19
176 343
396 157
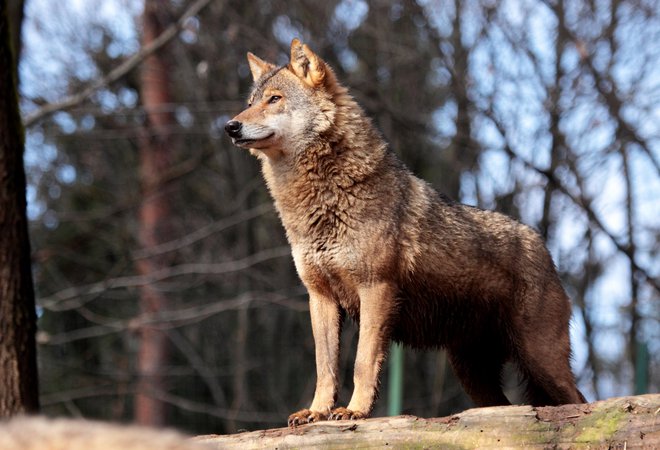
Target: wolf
372 241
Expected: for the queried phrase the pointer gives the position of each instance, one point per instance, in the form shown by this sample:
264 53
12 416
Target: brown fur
371 239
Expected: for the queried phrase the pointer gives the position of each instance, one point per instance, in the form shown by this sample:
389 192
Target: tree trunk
557 149
462 151
621 423
154 222
15 13
19 391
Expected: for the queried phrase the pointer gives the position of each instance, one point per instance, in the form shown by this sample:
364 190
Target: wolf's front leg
377 305
326 326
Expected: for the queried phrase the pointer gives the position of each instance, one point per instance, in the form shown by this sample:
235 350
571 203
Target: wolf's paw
346 414
305 416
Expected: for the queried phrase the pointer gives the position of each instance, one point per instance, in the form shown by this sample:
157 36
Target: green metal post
395 394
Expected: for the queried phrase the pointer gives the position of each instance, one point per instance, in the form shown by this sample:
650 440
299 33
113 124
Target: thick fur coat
372 240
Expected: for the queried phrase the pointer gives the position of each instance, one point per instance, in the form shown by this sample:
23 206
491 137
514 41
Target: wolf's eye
274 99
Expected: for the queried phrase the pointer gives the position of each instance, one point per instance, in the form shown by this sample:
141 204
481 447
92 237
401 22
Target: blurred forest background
166 293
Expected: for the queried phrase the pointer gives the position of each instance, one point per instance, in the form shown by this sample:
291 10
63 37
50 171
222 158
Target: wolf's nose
233 128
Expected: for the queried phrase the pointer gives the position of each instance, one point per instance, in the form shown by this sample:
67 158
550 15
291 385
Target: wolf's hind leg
543 353
479 369
547 371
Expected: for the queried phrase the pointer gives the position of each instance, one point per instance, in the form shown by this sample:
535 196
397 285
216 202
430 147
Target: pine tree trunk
18 365
154 222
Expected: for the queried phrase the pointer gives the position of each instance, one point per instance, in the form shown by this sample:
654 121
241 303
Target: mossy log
618 423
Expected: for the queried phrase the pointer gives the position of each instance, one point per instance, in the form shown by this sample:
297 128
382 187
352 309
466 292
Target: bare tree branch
53 301
203 232
186 404
615 106
120 71
175 318
606 87
197 362
580 200
222 413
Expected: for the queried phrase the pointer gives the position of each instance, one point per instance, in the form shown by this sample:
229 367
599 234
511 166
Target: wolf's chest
334 259
331 271
319 217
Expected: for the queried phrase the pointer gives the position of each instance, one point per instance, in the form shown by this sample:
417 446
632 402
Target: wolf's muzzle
233 128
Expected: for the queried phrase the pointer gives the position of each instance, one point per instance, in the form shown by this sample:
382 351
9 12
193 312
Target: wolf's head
290 106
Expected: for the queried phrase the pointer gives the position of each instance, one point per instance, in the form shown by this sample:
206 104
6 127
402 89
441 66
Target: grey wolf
371 240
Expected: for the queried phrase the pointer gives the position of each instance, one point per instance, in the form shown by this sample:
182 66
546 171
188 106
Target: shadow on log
618 423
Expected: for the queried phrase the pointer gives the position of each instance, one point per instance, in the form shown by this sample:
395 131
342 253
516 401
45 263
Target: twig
53 302
203 232
581 201
171 319
120 71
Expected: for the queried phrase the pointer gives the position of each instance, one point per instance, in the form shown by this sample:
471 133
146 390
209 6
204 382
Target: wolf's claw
303 417
346 414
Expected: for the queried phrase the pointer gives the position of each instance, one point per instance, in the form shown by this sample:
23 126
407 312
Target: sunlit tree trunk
462 152
154 222
19 391
557 149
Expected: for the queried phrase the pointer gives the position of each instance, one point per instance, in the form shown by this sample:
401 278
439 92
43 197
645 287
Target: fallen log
43 433
617 423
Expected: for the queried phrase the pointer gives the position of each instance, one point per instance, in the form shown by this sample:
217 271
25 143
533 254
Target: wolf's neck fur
332 175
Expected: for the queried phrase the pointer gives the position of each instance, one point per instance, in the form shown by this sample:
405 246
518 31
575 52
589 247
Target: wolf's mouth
247 142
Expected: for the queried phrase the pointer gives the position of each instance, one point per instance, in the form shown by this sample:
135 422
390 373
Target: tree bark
19 391
154 222
462 152
557 149
15 12
618 423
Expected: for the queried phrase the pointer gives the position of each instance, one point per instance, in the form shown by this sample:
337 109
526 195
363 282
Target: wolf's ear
306 64
258 66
